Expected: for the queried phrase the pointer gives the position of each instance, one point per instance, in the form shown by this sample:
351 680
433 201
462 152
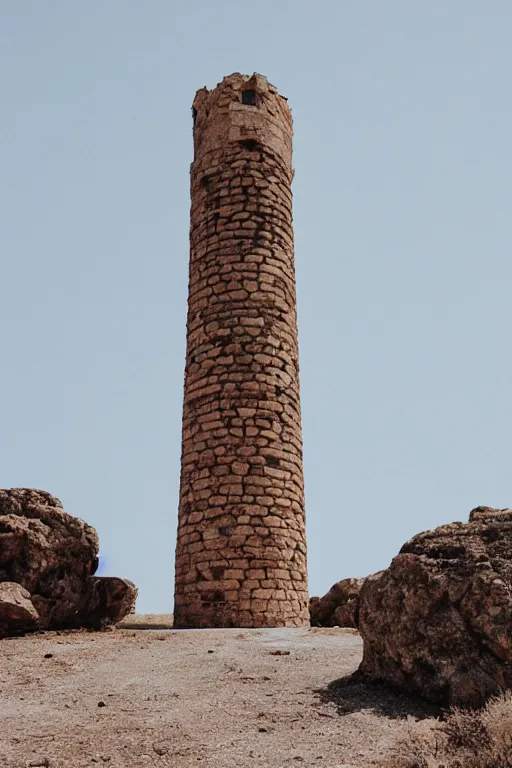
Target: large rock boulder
339 607
54 556
438 621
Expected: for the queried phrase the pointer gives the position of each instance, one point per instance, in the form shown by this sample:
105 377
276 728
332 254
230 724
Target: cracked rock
52 556
438 621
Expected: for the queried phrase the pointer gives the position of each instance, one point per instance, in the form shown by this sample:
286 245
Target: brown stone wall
241 550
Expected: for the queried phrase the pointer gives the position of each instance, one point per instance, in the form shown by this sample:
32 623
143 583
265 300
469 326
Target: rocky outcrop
339 607
438 621
54 556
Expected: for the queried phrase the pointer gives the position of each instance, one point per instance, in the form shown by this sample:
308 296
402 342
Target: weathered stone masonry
241 551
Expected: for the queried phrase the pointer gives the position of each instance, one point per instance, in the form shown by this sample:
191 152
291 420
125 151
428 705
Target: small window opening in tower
249 97
194 115
250 144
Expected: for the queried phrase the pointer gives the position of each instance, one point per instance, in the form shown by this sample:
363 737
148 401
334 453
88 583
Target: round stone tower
241 549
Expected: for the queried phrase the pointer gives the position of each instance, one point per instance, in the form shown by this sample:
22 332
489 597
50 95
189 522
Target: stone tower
241 549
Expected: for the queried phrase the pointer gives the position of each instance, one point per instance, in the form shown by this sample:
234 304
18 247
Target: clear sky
402 190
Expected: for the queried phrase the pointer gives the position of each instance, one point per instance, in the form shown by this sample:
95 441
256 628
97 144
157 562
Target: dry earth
212 698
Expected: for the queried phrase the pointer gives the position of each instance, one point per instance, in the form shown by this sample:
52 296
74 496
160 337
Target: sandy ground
212 698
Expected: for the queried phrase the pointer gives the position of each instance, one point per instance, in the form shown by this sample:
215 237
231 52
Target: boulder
107 600
438 621
339 607
54 556
17 613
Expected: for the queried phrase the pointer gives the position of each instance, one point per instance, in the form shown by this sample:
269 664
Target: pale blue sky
403 125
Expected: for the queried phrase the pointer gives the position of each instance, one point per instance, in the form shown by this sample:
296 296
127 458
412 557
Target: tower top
236 83
242 108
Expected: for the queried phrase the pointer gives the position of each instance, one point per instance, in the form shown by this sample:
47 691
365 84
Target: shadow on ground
352 694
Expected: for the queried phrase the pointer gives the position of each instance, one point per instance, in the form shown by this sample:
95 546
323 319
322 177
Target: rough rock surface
16 609
54 556
438 621
339 607
108 600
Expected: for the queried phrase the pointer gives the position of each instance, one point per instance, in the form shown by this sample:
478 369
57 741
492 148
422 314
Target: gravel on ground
126 698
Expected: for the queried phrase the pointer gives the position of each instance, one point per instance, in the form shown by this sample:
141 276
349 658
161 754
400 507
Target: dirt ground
128 698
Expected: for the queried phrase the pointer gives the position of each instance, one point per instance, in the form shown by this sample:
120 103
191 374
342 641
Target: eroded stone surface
438 621
17 614
108 600
50 553
339 607
241 552
54 556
